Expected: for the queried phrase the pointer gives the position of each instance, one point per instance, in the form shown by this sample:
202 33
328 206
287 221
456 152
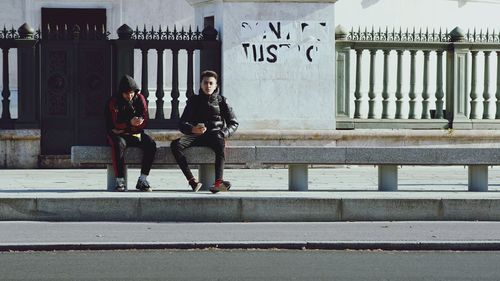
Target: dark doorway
61 17
75 81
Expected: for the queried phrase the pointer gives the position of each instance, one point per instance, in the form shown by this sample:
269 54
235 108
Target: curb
249 209
286 245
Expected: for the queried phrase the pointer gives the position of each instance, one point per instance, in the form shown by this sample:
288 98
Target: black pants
210 139
120 142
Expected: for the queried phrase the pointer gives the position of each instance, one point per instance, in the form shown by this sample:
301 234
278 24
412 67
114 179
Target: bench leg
387 177
111 177
206 175
297 177
478 178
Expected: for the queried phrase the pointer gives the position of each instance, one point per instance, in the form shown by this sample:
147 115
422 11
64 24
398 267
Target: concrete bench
298 159
386 158
202 156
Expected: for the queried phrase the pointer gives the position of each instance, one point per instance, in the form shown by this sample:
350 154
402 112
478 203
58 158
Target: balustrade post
399 84
385 90
343 95
357 91
486 91
473 90
439 86
159 87
174 113
456 82
497 95
190 74
412 95
425 91
28 99
371 92
144 74
6 118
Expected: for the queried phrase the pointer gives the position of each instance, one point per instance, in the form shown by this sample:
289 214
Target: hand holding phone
199 129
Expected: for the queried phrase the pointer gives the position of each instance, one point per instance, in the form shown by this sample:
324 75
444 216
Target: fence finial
26 31
125 32
340 33
209 33
457 35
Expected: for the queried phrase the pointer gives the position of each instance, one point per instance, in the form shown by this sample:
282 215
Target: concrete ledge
300 155
228 207
195 155
423 155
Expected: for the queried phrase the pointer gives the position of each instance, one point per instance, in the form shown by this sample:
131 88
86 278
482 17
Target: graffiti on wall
282 41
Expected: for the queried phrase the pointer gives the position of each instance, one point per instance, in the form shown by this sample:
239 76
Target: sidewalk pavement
70 209
48 236
258 195
338 178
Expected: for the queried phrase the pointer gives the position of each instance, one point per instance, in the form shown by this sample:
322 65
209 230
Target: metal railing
172 40
23 40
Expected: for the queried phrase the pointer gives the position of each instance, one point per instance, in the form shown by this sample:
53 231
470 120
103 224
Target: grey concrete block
69 209
17 208
300 155
290 209
195 155
88 209
390 209
422 155
199 209
471 209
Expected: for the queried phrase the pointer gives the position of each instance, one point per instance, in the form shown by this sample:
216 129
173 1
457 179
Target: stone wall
19 149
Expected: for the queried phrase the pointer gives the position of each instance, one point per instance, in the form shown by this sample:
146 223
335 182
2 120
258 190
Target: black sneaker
120 187
143 185
195 185
223 186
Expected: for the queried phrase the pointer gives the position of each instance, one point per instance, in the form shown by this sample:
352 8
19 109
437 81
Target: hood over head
127 83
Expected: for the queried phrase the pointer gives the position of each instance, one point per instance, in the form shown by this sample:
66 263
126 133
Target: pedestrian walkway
338 178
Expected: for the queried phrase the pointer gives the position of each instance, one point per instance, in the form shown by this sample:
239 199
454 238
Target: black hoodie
119 112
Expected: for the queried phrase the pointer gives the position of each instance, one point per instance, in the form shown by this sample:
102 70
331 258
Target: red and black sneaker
220 185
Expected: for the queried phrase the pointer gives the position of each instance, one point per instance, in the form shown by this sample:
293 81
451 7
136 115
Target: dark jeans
120 142
210 139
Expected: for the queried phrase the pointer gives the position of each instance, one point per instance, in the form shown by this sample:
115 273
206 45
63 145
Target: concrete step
249 206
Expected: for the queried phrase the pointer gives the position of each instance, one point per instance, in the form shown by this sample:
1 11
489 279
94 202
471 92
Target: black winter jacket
119 112
211 110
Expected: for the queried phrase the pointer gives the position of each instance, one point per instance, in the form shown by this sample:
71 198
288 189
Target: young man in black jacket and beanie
207 120
126 115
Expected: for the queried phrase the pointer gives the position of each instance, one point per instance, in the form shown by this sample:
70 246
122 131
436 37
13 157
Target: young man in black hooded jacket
126 117
207 120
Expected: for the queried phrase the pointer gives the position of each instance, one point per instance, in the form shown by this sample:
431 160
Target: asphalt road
212 264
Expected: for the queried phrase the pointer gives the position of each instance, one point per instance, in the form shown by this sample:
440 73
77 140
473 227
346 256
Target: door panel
57 101
75 84
94 88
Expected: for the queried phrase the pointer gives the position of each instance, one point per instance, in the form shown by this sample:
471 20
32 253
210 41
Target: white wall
419 13
291 92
